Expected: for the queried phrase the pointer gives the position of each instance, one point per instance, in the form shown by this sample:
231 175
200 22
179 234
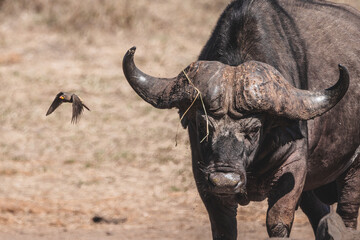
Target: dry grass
353 3
67 15
120 160
108 15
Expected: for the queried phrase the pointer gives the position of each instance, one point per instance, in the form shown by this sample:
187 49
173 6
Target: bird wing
77 108
55 104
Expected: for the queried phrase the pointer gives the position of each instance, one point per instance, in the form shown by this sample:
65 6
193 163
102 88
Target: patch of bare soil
120 162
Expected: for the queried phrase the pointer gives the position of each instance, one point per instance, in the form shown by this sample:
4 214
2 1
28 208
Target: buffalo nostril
221 179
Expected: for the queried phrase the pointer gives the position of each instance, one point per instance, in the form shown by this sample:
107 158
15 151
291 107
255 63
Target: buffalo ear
185 122
184 119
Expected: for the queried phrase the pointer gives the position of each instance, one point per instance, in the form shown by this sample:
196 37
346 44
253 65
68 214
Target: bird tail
86 107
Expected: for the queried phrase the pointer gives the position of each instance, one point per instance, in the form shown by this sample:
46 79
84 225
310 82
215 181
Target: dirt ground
120 162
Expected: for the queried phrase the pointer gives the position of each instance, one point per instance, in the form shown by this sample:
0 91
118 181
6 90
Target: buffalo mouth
226 183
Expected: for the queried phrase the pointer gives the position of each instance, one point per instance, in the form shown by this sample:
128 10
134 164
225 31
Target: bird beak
61 97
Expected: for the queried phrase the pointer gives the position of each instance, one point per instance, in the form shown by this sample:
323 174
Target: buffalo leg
222 217
349 194
222 211
284 196
314 209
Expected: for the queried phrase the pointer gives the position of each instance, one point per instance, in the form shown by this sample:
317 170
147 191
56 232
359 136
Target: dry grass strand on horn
198 95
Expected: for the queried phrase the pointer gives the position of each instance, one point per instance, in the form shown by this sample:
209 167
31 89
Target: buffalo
271 107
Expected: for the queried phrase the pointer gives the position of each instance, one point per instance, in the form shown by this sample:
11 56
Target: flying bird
77 104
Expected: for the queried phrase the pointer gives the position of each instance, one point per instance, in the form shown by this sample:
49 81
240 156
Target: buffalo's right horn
265 89
159 92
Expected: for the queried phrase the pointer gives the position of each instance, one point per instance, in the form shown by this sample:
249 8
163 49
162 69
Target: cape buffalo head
236 103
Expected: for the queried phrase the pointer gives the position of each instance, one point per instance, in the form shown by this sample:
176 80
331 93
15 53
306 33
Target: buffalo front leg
222 214
222 211
283 198
349 194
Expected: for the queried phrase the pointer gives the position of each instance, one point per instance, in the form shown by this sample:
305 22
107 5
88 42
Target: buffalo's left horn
159 92
265 89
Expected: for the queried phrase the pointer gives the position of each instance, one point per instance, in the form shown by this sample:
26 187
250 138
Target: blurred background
120 162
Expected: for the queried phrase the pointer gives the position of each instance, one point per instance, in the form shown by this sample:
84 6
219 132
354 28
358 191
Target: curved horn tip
341 67
131 51
344 76
343 70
